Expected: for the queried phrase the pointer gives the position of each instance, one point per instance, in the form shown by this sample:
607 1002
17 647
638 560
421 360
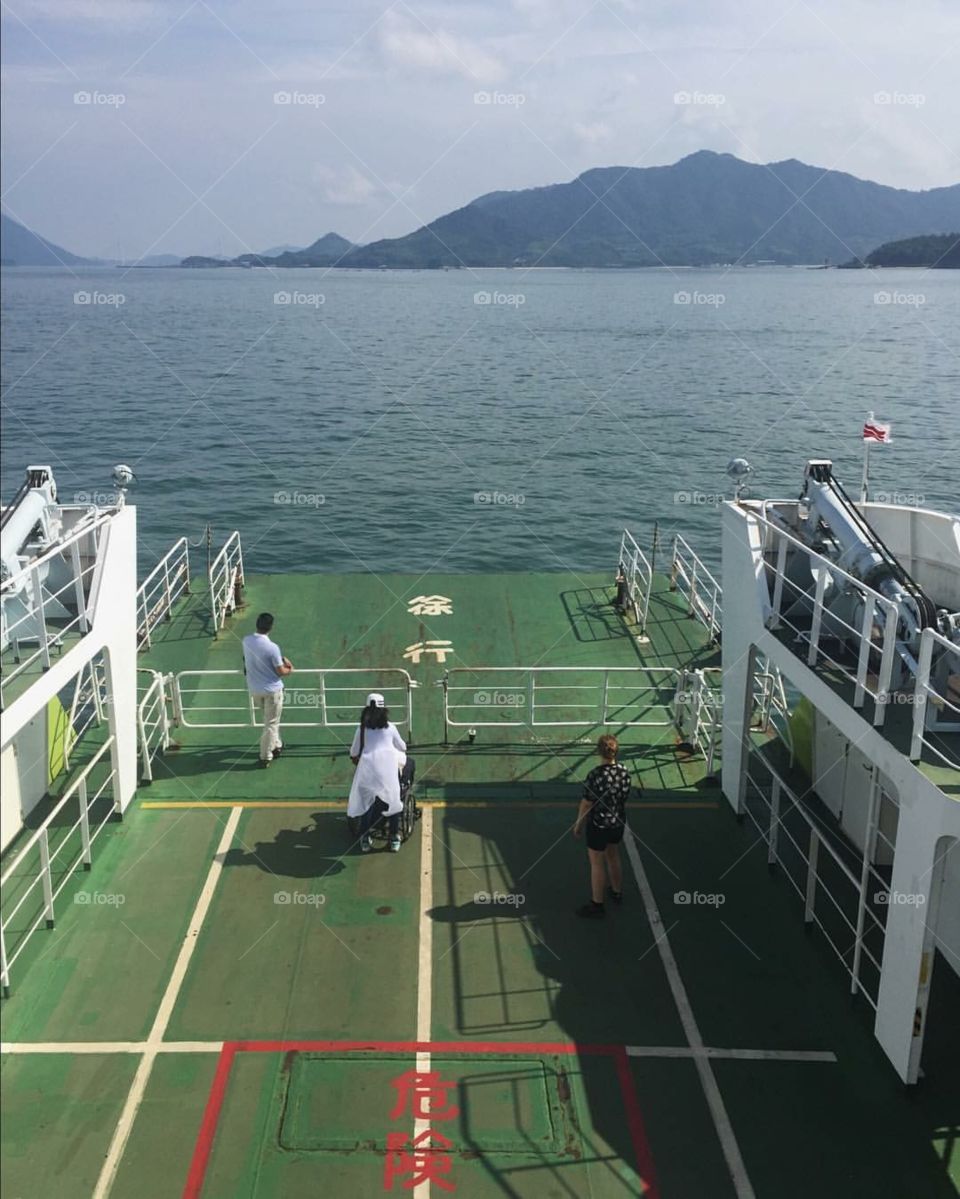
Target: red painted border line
208 1126
429 1047
218 1088
638 1133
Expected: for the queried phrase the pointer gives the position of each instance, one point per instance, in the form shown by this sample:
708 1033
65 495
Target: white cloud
408 43
595 133
345 186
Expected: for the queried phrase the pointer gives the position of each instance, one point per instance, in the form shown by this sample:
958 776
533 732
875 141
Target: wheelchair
409 814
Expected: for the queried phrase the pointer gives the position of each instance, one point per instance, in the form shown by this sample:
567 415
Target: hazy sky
186 146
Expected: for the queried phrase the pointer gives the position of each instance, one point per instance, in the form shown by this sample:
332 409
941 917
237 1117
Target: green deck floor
308 948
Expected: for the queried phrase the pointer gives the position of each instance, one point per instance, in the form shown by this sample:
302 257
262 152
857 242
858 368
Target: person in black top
602 814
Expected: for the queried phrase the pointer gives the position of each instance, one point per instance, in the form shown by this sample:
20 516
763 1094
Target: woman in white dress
379 754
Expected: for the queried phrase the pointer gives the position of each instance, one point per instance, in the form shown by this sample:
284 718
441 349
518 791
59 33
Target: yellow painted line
334 804
202 805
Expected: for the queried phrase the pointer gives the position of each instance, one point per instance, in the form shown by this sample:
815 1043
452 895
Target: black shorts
600 838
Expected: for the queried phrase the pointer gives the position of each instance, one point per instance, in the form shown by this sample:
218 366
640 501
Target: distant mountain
937 250
706 208
325 251
20 246
276 251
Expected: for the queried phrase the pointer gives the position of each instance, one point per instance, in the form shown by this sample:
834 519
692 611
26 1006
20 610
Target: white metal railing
636 574
21 877
936 711
87 705
875 634
225 577
698 711
558 696
153 722
161 589
771 703
313 697
695 583
801 847
46 617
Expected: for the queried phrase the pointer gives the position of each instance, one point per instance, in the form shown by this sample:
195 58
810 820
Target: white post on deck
920 694
87 856
886 664
811 892
869 842
866 641
778 584
41 615
79 597
774 834
45 875
4 965
817 617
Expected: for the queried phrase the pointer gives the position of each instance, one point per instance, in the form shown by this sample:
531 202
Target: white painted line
213 1047
425 967
721 1121
23 1047
121 1133
681 1051
744 1055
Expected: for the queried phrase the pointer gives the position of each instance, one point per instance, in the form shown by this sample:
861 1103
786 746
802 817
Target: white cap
376 699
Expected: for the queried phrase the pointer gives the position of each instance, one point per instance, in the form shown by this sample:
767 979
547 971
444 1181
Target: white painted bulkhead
926 859
111 609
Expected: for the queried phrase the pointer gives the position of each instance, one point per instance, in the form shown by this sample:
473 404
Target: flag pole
866 464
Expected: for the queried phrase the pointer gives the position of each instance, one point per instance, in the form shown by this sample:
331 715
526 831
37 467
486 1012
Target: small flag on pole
874 430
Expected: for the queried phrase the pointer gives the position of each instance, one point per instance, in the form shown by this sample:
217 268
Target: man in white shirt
265 668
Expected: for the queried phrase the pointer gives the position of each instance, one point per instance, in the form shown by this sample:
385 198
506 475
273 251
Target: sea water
471 420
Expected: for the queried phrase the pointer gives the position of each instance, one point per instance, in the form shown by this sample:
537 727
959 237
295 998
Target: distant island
20 246
707 209
325 251
939 251
704 210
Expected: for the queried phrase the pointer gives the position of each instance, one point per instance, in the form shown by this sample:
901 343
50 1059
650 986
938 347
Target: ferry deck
235 1002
